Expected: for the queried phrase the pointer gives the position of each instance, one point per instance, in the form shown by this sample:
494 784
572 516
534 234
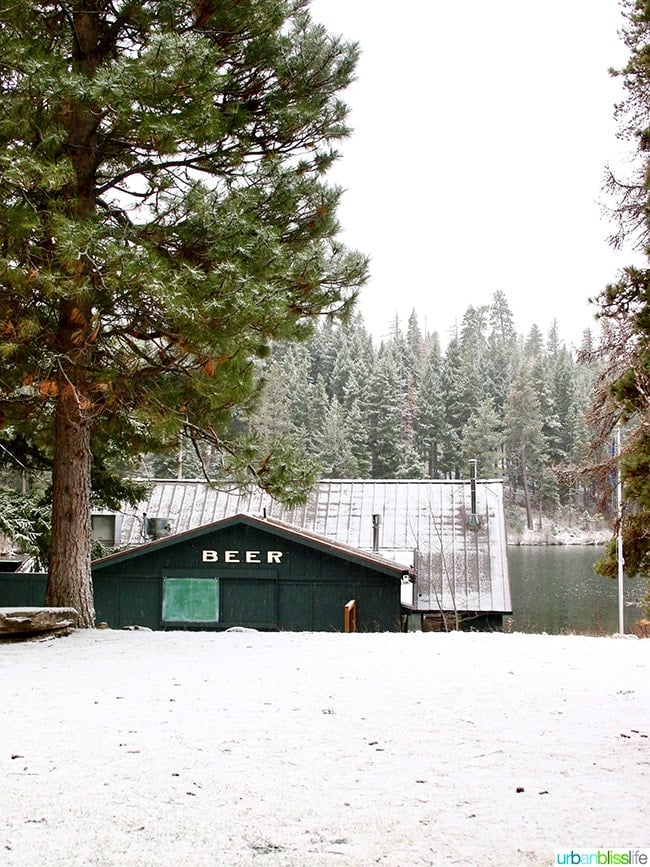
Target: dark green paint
22 589
306 591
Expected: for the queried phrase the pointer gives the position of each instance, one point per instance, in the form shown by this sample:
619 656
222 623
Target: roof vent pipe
472 483
473 517
376 524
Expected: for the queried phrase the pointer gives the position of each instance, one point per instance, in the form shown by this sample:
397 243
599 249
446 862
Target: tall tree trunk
433 470
69 579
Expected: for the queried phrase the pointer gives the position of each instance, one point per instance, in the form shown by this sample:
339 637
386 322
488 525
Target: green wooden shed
251 572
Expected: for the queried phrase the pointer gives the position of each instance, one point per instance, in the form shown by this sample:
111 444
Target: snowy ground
142 748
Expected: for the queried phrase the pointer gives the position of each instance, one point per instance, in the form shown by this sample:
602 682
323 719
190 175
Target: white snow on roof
459 568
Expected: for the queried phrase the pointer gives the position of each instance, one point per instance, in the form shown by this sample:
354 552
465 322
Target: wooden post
350 616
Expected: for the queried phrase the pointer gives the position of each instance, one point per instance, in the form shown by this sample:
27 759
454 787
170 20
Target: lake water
555 590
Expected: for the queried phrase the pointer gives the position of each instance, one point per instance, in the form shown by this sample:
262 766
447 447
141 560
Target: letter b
209 556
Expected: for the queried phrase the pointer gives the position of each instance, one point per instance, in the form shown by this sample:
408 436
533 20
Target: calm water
555 590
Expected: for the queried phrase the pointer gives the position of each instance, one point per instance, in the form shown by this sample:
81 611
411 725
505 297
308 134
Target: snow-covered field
144 748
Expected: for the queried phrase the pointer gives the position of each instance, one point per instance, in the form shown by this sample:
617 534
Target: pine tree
542 374
352 352
524 438
565 379
164 216
482 440
430 423
472 381
356 424
456 412
315 412
501 351
385 417
356 409
414 349
581 489
332 445
534 343
322 350
624 393
283 410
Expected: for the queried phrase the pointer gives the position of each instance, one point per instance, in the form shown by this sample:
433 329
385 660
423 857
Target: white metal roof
458 568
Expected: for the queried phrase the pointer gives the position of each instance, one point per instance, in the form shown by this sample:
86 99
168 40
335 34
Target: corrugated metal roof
458 568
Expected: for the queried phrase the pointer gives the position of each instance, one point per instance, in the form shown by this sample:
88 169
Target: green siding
107 601
377 601
318 606
22 589
140 602
295 606
328 602
305 591
249 602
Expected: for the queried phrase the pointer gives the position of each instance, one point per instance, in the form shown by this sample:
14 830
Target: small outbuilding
451 532
411 554
245 571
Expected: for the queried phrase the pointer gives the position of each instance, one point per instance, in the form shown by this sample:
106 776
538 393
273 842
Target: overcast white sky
481 135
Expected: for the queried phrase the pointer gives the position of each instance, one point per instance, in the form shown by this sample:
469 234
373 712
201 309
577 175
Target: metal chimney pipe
472 483
376 524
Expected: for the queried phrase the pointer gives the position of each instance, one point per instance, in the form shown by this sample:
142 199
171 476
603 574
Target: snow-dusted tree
164 216
355 407
524 437
501 351
332 444
414 346
430 423
482 440
385 416
457 412
624 395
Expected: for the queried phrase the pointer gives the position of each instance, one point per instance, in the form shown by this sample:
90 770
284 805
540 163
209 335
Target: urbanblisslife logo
602 856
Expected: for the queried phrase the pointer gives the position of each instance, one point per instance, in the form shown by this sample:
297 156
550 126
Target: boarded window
190 600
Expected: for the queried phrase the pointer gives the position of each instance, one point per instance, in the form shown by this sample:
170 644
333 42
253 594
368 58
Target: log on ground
29 622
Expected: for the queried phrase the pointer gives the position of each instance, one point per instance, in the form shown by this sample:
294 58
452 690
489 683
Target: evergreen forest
407 407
